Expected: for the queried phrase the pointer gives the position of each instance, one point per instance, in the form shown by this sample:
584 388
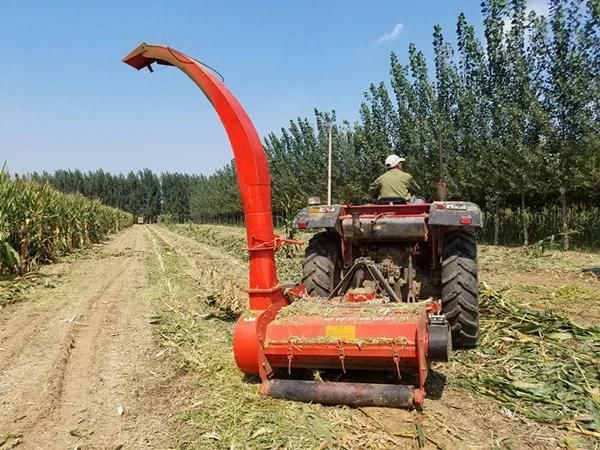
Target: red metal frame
251 166
374 211
391 342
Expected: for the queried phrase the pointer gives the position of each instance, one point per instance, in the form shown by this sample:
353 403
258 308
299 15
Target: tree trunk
563 201
497 223
524 220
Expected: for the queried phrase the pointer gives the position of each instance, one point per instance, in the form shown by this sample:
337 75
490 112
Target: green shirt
394 183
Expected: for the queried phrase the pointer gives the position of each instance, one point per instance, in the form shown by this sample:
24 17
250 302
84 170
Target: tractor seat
391 201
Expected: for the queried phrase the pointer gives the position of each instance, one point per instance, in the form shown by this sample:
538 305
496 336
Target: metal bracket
342 355
396 359
410 277
276 243
372 268
290 357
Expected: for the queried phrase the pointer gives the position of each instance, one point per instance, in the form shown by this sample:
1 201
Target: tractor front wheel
322 264
460 287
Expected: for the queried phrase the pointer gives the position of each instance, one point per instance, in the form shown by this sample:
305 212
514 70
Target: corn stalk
39 224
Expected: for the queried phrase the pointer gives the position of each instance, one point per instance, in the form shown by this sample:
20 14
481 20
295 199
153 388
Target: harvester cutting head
355 310
361 331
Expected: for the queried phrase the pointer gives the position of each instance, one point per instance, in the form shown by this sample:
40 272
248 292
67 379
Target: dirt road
77 360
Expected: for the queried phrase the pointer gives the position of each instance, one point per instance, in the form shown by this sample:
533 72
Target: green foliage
544 227
138 193
215 195
506 121
536 363
286 223
39 224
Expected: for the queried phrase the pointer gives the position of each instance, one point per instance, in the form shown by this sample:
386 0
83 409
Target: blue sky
66 100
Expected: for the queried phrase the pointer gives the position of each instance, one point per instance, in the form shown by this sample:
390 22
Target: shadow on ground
592 270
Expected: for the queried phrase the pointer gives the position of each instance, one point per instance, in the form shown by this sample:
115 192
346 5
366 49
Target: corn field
545 224
39 224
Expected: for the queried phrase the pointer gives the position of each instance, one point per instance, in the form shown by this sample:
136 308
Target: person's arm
413 186
374 189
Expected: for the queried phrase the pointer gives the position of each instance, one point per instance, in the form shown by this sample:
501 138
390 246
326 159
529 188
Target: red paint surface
250 161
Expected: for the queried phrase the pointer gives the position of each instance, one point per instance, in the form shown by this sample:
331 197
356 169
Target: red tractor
406 252
358 308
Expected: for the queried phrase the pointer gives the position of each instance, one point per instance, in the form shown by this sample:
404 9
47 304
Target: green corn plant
39 224
546 225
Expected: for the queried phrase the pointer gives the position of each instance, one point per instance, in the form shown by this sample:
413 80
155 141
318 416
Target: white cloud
391 36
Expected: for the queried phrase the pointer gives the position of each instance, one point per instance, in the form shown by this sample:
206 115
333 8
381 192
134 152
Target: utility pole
329 168
441 187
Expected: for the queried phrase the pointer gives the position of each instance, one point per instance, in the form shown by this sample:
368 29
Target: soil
79 366
567 283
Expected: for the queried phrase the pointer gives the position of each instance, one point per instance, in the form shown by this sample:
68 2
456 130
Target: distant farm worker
395 184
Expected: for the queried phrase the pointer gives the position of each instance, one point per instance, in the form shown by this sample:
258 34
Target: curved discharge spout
250 161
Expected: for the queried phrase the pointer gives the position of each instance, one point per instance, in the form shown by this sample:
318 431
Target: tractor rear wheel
322 264
460 287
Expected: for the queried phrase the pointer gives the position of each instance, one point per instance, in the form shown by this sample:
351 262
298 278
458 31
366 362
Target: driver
395 183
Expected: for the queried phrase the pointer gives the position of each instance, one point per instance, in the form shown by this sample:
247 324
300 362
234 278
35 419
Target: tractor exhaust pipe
341 393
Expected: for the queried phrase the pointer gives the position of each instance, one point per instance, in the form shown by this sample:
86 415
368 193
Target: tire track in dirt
70 379
20 323
80 352
26 348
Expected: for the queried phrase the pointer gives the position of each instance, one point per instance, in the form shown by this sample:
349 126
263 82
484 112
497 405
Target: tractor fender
318 216
455 214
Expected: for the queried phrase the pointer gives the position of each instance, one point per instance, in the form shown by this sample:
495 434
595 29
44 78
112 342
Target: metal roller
341 393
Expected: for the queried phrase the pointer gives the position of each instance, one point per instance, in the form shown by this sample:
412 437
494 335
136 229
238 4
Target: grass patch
535 363
522 259
571 292
15 289
532 289
233 242
232 414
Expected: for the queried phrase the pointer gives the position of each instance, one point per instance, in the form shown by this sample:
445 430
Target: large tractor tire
460 287
322 264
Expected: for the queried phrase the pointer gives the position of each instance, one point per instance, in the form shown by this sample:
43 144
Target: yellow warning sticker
341 331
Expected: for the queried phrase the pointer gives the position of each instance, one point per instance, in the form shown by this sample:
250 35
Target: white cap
393 161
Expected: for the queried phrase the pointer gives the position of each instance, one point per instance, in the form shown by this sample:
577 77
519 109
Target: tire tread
322 264
460 287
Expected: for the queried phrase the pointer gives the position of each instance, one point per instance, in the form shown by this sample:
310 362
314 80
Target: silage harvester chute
283 331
